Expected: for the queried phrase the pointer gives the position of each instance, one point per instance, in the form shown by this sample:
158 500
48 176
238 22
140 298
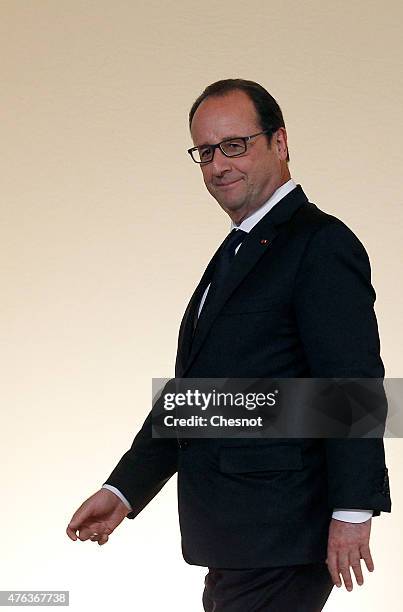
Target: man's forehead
220 117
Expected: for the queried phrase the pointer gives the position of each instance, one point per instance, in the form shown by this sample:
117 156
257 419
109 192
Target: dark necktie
223 264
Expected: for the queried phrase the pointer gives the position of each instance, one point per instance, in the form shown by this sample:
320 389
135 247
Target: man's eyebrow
209 144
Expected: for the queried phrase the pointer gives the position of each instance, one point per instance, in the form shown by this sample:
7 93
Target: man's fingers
333 568
75 524
356 567
92 532
95 533
81 522
103 539
87 533
83 533
344 568
71 533
366 555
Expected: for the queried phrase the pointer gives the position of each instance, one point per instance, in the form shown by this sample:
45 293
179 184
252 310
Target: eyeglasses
230 147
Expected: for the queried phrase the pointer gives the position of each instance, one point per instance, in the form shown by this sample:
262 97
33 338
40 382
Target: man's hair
268 111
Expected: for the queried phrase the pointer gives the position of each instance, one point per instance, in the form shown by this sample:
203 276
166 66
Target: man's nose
221 163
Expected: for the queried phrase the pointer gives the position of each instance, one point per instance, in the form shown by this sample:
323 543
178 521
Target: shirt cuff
352 516
119 494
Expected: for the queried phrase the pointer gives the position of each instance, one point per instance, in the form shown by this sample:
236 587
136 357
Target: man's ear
280 142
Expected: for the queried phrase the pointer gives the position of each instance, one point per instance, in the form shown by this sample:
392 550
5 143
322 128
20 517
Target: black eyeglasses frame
245 139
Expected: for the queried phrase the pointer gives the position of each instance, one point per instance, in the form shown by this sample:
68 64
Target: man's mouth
228 184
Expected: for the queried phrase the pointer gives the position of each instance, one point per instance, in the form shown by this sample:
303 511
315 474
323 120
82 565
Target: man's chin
229 201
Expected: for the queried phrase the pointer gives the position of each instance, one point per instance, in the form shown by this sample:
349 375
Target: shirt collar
247 224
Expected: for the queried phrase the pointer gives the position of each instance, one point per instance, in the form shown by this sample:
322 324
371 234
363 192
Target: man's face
239 184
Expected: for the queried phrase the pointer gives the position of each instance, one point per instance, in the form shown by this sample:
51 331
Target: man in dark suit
276 521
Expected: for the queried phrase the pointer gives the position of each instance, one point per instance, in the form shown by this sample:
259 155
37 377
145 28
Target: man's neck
249 221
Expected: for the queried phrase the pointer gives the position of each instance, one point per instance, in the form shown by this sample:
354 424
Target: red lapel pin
264 241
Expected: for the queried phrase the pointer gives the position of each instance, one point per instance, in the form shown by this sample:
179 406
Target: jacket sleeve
145 468
334 306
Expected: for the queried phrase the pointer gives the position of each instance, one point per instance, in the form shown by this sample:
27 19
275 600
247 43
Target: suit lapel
252 248
249 253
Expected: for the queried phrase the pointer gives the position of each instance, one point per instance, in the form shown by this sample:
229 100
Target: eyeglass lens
231 148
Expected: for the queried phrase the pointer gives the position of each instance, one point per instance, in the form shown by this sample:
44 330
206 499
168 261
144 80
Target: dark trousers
298 588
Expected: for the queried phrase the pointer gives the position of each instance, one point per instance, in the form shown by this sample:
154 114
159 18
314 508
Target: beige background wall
105 228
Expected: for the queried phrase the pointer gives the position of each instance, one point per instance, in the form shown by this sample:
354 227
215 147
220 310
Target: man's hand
97 517
347 544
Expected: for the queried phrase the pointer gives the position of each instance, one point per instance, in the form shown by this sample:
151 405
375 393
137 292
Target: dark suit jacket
300 304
